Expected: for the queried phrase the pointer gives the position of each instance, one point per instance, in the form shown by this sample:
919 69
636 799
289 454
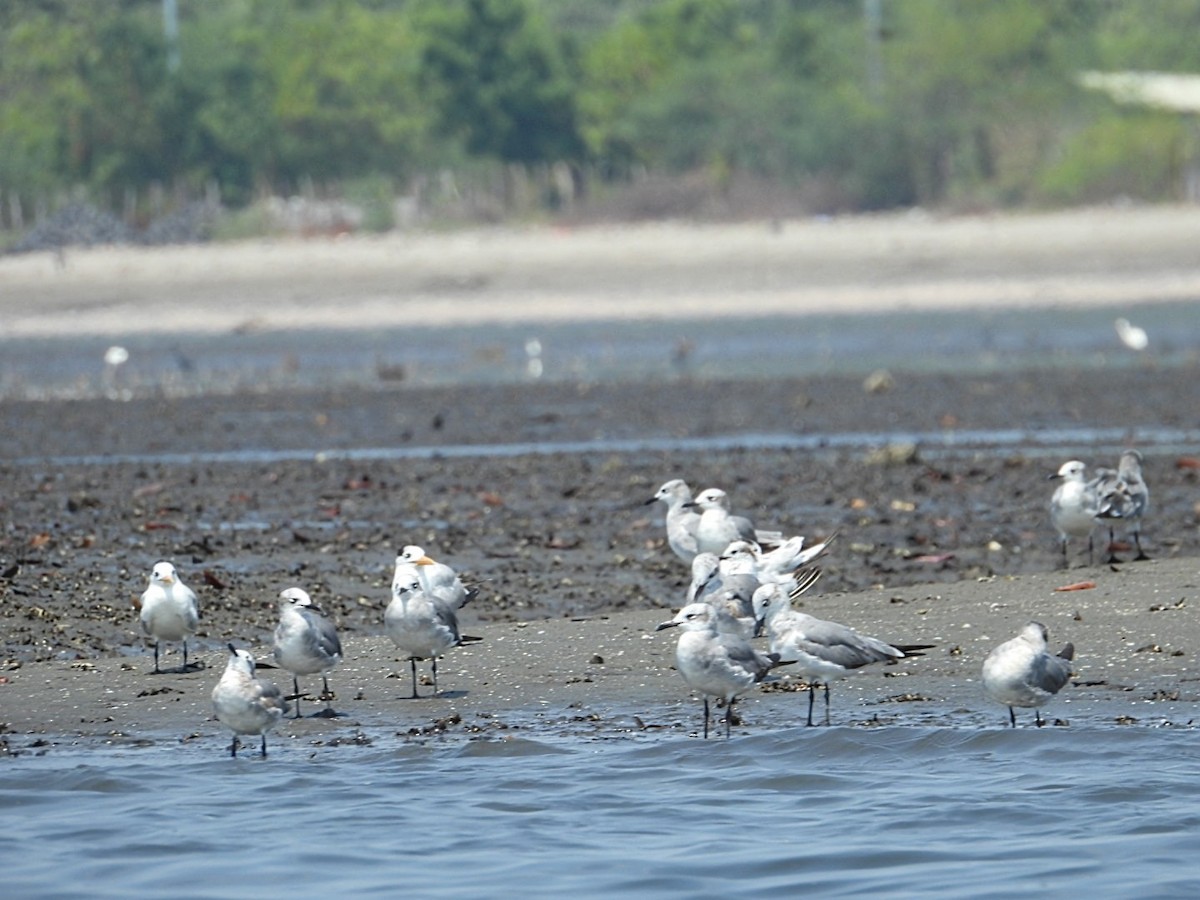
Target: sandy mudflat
611 675
952 549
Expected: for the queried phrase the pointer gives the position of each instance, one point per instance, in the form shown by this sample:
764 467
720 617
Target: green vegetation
481 109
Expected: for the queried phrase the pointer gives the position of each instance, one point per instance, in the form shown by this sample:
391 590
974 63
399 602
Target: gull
682 519
778 565
437 579
306 643
715 663
1125 496
1131 335
420 625
1021 673
710 579
821 650
245 704
1074 506
717 528
168 610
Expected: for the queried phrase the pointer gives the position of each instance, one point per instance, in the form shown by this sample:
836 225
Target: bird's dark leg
827 703
811 699
728 718
1062 546
264 745
325 694
706 718
413 662
185 668
156 669
1137 540
1091 549
296 693
1012 716
435 684
1112 556
1037 718
233 747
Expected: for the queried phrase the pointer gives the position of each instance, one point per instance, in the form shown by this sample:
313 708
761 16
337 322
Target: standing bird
420 625
716 663
245 704
1074 506
821 650
681 518
306 643
168 610
1021 673
1125 496
717 527
437 579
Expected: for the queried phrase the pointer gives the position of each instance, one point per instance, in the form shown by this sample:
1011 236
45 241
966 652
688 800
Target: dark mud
543 534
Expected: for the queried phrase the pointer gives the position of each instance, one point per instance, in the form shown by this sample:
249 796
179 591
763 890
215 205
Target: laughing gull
245 704
821 650
714 662
1125 496
420 625
306 643
1021 673
1074 506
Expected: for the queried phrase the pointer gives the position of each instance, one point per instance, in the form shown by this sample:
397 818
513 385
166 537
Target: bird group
420 619
715 655
1110 496
739 590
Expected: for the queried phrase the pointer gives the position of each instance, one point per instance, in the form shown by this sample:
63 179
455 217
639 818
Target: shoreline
662 271
611 676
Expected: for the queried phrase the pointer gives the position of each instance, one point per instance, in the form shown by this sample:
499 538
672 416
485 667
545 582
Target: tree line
539 104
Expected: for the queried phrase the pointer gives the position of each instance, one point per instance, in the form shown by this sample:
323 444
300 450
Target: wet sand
952 548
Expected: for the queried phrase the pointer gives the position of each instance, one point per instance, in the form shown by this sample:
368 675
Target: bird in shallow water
1020 672
717 663
246 704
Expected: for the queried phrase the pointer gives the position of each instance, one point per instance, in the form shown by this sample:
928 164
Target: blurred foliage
843 104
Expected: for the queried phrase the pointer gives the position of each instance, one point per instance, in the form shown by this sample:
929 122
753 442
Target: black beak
758 627
663 625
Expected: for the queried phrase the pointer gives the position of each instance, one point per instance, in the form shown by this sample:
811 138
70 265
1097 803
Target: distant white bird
821 650
1074 506
682 518
1130 335
168 610
714 662
1021 673
246 704
420 625
718 527
306 643
437 579
1124 496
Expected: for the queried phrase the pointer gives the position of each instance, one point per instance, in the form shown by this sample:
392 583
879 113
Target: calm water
935 812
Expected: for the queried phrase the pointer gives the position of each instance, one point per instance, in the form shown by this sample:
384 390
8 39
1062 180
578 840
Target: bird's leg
325 692
1137 540
233 747
1112 556
264 745
296 693
706 718
413 662
1062 546
433 665
728 718
811 699
1037 718
1012 716
827 703
157 671
1091 549
185 668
